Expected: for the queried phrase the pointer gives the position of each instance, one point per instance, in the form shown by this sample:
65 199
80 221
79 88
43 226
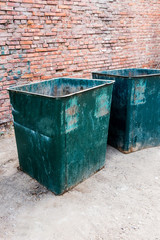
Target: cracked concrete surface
122 201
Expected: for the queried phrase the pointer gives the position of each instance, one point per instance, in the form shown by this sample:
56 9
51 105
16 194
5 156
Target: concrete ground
122 201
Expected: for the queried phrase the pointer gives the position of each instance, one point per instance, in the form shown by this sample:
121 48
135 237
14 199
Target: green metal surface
61 129
135 110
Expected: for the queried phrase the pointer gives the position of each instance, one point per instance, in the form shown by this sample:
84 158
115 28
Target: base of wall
6 128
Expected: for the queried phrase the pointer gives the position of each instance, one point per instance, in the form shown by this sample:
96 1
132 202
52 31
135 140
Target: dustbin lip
128 77
107 82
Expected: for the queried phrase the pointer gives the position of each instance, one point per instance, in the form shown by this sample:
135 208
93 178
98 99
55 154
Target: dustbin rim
107 82
128 77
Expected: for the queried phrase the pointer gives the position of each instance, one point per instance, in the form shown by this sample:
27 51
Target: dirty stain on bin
71 113
135 110
102 105
61 128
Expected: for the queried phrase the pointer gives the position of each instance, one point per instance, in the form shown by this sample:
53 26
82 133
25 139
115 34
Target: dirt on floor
122 201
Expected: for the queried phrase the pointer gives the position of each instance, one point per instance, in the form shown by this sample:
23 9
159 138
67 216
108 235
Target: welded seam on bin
68 95
30 129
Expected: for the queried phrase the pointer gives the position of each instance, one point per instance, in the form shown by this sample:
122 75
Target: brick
20 17
25 46
36 26
2 109
51 2
30 22
50 14
25 42
61 14
27 1
27 76
64 7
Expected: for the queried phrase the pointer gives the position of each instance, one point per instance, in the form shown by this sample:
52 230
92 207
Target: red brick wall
42 39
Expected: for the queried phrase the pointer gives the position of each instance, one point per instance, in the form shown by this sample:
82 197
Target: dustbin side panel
35 112
118 135
86 127
145 113
118 127
37 122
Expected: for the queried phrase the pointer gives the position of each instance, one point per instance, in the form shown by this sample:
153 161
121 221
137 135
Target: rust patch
138 93
102 105
71 115
132 149
71 110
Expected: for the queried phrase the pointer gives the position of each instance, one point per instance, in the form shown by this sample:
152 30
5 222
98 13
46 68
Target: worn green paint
15 74
29 66
135 110
61 129
2 67
2 50
19 72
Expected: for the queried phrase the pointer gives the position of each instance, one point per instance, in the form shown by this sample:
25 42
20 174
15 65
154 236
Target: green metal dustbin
135 110
61 128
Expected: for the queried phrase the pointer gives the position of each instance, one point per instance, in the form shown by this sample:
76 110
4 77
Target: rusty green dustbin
135 110
61 128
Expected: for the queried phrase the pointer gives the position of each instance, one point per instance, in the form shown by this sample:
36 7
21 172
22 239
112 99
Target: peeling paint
19 72
16 73
29 67
2 51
